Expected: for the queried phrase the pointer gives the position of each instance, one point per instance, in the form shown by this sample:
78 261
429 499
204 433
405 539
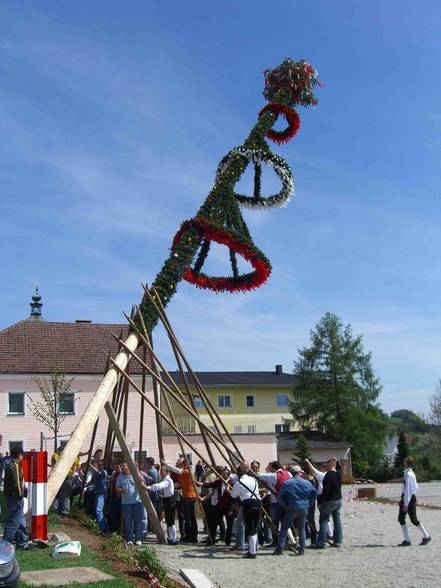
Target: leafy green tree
402 450
302 451
336 390
409 422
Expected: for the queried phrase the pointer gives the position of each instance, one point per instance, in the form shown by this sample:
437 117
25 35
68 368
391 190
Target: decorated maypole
218 220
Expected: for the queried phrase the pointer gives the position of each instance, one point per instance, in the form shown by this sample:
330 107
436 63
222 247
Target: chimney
279 370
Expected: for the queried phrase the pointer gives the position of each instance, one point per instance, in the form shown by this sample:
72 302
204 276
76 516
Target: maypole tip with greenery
219 219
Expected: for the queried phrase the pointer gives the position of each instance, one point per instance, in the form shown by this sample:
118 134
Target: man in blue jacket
294 497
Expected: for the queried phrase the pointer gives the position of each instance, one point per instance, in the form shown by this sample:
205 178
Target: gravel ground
370 556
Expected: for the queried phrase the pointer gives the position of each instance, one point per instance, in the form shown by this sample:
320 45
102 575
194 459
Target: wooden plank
153 517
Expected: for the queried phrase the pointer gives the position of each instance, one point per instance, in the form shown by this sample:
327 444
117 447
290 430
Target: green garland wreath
259 156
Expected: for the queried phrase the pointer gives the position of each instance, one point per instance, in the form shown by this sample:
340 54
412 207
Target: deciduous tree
49 410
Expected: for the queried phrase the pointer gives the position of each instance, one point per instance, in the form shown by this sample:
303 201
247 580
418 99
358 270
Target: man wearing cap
294 497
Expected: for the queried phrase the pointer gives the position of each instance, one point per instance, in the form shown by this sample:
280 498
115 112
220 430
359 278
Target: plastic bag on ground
67 549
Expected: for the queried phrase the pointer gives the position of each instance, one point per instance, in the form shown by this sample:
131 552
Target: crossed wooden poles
165 389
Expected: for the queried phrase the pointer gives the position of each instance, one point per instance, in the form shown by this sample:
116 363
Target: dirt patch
97 543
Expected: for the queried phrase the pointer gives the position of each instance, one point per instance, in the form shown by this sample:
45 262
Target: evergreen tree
336 390
402 451
302 451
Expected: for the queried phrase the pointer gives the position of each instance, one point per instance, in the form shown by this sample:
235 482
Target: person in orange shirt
188 498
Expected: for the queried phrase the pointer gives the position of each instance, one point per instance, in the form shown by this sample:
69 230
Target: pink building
35 347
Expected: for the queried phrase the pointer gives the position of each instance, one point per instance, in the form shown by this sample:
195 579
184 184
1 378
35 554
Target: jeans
328 508
100 500
276 514
64 496
239 541
114 513
190 525
133 515
296 517
311 527
15 526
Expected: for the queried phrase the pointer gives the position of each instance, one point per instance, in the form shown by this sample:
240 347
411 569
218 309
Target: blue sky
114 116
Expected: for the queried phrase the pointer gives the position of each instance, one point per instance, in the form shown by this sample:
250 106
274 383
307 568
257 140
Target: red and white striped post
34 466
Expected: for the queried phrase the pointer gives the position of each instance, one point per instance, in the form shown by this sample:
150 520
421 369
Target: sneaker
278 551
235 548
249 555
171 542
138 543
25 547
335 545
426 540
129 543
404 544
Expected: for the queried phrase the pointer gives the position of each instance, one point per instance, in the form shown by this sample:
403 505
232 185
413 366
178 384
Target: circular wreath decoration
259 156
212 232
291 117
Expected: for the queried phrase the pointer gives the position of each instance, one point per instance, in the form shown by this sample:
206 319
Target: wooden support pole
143 494
166 419
141 413
189 394
87 421
180 398
126 401
186 441
175 344
187 407
156 394
181 445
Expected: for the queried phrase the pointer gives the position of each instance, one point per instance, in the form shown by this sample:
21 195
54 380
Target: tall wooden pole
92 412
143 494
219 206
141 412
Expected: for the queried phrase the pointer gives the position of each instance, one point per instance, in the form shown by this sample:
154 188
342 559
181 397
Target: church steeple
36 307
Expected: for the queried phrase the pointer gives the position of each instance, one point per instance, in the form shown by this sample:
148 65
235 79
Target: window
198 402
237 429
224 401
282 400
282 428
251 428
13 445
250 401
67 403
16 403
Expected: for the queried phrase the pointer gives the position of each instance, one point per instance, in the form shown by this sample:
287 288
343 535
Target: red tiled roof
73 348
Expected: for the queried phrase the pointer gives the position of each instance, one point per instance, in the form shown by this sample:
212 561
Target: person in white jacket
408 505
166 486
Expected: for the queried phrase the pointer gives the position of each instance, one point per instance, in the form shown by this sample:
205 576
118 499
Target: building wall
27 429
260 447
260 418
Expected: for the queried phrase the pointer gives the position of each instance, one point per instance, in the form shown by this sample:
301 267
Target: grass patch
41 559
144 558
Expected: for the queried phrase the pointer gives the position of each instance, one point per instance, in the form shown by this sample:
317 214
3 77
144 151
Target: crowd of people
276 507
281 507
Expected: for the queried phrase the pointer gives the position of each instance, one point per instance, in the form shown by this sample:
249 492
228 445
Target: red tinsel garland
291 117
243 283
